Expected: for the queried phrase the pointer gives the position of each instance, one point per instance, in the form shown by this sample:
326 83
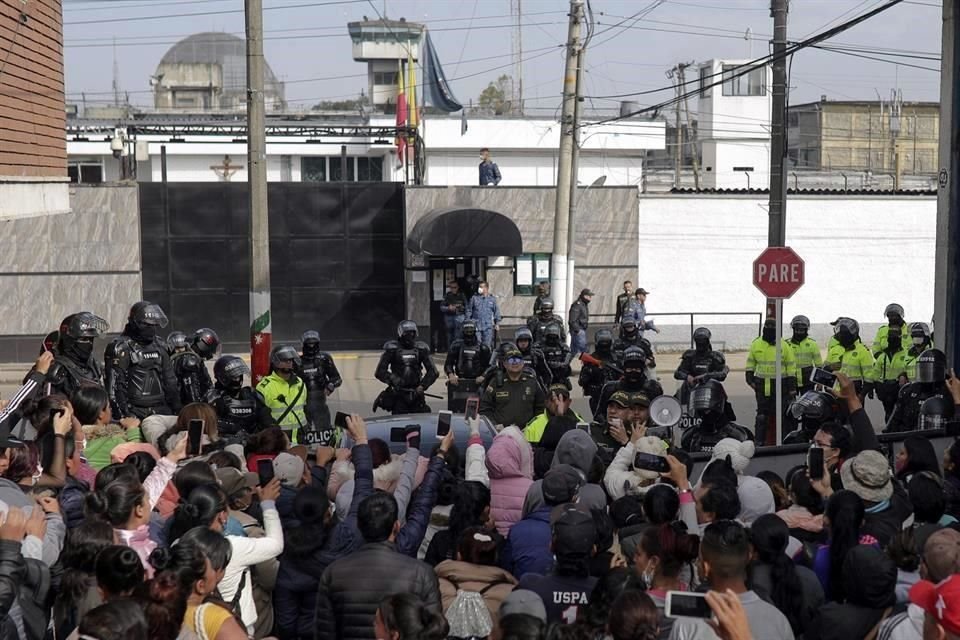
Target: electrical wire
744 69
466 38
866 57
324 3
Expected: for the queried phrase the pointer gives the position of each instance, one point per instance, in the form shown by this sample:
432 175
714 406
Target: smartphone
443 423
265 471
687 604
650 462
194 431
340 420
473 408
815 463
398 434
584 426
823 377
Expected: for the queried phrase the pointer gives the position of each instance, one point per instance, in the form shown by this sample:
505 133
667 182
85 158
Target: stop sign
778 272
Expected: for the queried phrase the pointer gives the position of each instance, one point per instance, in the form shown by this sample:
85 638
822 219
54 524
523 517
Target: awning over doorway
465 232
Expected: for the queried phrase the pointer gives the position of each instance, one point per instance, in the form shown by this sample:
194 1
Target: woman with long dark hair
404 616
804 516
843 520
92 406
634 616
78 587
915 456
471 508
795 591
660 557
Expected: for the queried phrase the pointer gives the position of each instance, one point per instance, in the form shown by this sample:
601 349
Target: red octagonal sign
778 272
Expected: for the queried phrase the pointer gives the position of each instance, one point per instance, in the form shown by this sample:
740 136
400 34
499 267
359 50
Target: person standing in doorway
453 307
578 321
483 310
489 171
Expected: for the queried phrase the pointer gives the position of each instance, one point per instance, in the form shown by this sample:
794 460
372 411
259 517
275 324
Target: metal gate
336 251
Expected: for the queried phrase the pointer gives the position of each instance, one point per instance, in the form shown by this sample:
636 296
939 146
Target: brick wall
32 120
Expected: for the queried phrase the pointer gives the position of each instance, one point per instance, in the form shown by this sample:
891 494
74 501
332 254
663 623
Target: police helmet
919 330
546 306
83 325
508 350
206 343
310 343
603 339
893 309
707 396
407 327
522 333
846 325
552 331
935 413
469 329
932 366
628 325
147 314
815 406
229 371
800 322
701 335
284 353
634 358
177 340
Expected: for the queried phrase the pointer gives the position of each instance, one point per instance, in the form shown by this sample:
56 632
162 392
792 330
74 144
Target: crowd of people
146 499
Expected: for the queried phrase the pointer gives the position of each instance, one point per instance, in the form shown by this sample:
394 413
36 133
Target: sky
307 45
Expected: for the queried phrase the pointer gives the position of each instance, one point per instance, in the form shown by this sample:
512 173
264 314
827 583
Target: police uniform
454 309
240 412
538 326
66 375
468 361
593 378
761 374
704 364
512 402
321 377
486 313
193 379
140 379
856 363
888 368
557 356
404 367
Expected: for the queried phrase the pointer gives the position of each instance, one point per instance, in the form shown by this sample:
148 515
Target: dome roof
214 47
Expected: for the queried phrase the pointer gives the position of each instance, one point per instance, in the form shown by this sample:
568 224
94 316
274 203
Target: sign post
778 272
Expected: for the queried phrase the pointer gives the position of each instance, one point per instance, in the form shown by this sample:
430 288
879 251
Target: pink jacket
510 465
139 539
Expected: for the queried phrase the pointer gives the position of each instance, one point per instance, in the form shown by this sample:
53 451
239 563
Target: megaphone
665 411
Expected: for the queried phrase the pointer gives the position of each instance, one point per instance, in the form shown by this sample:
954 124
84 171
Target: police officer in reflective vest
889 369
806 350
699 364
762 374
241 411
408 371
921 339
894 315
850 357
73 361
193 379
321 377
465 366
139 375
284 392
930 382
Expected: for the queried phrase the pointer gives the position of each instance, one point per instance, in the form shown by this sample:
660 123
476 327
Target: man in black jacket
579 320
352 587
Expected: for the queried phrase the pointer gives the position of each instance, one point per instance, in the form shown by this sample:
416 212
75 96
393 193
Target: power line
466 38
866 57
134 5
325 3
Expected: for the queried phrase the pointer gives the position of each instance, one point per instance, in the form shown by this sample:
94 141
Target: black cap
641 290
561 484
586 292
574 533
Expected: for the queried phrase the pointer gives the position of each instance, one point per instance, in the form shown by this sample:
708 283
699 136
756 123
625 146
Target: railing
510 322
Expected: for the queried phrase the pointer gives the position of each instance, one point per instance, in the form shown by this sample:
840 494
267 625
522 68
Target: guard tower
383 45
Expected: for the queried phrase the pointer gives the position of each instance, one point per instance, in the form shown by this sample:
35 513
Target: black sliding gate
336 259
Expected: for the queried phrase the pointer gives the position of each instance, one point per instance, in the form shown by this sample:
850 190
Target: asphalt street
359 387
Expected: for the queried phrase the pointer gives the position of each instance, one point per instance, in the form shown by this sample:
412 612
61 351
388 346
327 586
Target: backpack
468 615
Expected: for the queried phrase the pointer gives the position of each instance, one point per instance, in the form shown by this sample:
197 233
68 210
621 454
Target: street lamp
571 239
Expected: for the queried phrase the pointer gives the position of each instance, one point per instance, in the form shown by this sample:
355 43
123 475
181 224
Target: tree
497 98
341 105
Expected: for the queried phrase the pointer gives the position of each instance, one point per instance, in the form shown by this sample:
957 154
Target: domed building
208 72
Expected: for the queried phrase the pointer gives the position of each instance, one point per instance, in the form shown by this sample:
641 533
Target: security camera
117 145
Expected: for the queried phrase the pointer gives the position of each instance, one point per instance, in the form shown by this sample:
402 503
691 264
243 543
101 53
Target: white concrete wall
860 253
451 168
720 157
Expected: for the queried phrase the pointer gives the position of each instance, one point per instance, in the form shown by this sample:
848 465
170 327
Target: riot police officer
176 343
284 392
139 375
465 366
708 402
937 413
630 336
557 355
73 360
805 350
634 367
807 413
930 382
241 411
538 324
594 376
894 315
322 378
408 371
921 339
699 364
193 379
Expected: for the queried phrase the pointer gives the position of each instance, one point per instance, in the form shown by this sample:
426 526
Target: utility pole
561 220
574 182
777 236
946 300
260 318
682 68
678 149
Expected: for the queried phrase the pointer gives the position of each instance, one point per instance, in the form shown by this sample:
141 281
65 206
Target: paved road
359 389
